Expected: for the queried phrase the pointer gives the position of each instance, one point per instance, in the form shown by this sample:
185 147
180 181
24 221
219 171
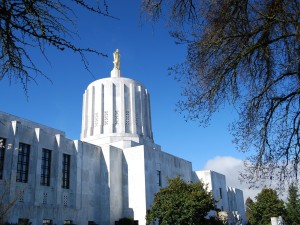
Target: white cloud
231 167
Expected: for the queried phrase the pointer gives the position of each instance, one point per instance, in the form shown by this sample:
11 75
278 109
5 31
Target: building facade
230 200
111 173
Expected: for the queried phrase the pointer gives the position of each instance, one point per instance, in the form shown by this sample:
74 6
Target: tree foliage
35 24
245 53
267 205
182 204
293 206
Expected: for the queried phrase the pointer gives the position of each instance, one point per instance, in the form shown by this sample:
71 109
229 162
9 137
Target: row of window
50 222
23 165
116 118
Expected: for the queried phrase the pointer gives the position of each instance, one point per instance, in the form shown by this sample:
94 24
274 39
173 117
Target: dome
115 109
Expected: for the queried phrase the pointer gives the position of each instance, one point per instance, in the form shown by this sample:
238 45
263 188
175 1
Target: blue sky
146 51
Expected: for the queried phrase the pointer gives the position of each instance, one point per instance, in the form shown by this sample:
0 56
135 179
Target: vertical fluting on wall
122 108
83 126
101 115
97 105
111 107
116 107
145 102
92 112
132 109
126 120
89 110
137 109
149 122
140 108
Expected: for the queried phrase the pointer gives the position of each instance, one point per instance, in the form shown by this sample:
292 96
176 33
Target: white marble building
112 172
230 200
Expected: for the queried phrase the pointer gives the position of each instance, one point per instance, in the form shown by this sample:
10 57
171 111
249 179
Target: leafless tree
26 24
7 202
245 53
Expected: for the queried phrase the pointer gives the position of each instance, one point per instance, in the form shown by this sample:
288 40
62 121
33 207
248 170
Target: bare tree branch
245 53
38 23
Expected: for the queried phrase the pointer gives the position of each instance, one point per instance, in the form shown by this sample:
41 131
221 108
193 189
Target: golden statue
117 59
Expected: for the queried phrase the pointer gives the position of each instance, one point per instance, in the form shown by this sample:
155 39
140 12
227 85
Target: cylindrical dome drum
117 108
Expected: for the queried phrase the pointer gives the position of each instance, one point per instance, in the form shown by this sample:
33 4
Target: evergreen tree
182 204
293 206
267 205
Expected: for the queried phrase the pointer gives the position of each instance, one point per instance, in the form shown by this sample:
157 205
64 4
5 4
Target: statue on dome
117 59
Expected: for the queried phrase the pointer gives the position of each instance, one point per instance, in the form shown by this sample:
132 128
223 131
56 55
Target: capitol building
112 172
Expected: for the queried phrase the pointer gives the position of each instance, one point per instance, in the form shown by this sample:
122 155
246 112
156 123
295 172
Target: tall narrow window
66 171
158 177
23 163
46 167
220 189
2 152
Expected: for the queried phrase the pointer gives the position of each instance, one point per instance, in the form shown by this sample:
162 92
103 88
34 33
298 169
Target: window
105 117
2 152
158 177
46 167
127 118
47 222
220 189
67 221
23 163
45 198
66 171
65 200
21 196
116 117
137 119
